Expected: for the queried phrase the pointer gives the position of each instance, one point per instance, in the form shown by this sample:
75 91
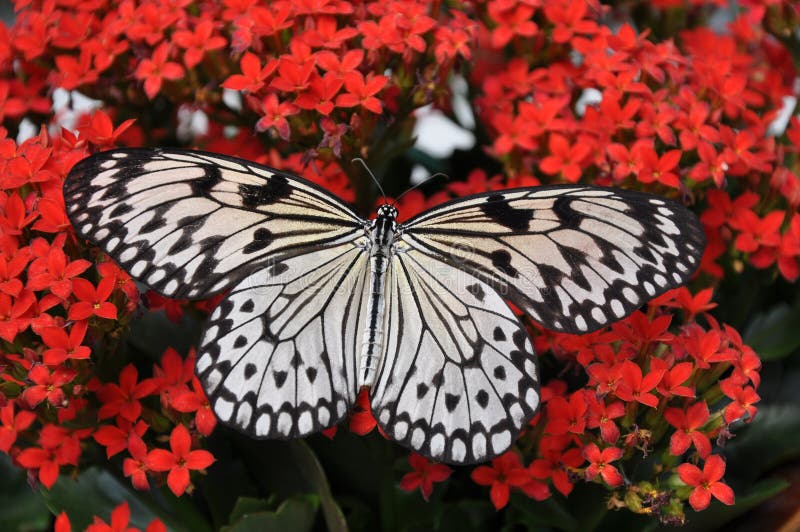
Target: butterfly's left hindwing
459 378
190 224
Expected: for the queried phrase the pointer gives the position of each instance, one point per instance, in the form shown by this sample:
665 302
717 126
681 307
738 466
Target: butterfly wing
278 355
575 258
458 379
190 224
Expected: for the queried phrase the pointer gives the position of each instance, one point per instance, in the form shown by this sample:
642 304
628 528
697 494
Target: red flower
361 92
136 466
115 437
120 518
11 424
424 474
505 472
196 401
634 387
603 415
564 159
156 69
361 420
672 382
743 399
172 307
54 272
99 130
45 460
706 483
274 115
123 399
47 385
179 461
198 42
566 417
599 464
253 76
686 425
91 301
63 347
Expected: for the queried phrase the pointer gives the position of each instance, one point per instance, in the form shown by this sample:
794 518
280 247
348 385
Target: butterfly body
382 233
319 302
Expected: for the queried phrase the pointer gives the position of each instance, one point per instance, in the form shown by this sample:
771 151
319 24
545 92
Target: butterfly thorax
382 232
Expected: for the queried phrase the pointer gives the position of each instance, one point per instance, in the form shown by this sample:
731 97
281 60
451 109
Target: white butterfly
321 302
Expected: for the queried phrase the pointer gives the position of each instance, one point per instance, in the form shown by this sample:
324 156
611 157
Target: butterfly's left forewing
458 379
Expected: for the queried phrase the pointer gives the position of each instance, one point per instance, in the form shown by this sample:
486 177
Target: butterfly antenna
437 174
364 164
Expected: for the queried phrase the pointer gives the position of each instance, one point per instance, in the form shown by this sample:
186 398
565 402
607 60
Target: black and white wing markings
279 355
459 378
190 224
575 258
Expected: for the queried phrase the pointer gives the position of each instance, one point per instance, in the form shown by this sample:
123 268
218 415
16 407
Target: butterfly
319 303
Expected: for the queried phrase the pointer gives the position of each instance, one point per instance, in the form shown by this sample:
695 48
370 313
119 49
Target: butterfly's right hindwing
278 356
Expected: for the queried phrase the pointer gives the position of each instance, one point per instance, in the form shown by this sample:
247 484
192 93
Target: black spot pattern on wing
274 190
500 211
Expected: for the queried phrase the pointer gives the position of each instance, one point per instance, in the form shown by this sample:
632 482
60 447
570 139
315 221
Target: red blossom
424 474
706 483
505 473
566 416
62 346
92 301
198 42
362 92
123 399
179 461
361 420
253 76
274 113
11 424
635 387
155 70
136 466
196 401
599 464
564 159
120 519
48 385
115 437
687 424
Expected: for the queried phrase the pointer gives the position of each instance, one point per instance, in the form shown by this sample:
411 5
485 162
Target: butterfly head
387 211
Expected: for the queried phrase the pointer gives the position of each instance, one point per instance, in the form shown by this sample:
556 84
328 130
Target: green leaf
775 334
773 438
295 514
21 508
291 467
550 513
247 505
98 492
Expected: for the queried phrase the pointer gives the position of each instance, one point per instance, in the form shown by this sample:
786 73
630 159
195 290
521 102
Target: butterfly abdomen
383 231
